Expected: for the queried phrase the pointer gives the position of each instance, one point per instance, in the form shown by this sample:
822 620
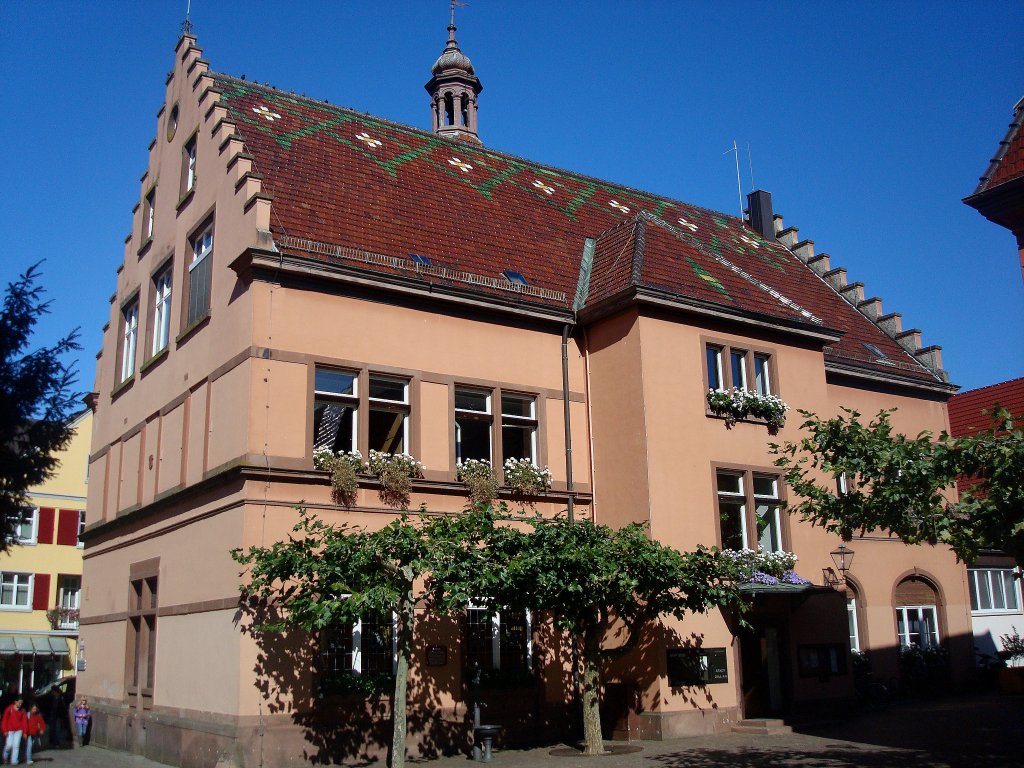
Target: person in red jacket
36 728
13 725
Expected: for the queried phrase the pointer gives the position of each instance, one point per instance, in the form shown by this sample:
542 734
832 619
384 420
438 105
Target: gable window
749 510
388 414
199 272
16 591
149 215
188 166
335 402
473 420
993 590
161 310
27 526
367 646
129 336
745 369
500 641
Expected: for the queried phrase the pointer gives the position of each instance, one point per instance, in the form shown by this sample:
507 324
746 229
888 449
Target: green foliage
1013 645
903 484
395 472
37 398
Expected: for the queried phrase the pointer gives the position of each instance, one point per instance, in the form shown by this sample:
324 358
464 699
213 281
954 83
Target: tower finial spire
453 90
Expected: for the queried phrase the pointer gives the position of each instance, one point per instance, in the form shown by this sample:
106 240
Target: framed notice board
696 666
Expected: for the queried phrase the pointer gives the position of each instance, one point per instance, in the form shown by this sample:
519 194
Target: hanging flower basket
478 475
395 472
345 468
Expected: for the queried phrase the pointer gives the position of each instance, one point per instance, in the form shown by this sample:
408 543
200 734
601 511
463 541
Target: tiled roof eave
999 203
260 263
639 295
854 370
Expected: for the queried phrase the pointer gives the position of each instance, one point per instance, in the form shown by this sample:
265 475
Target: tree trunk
593 743
406 616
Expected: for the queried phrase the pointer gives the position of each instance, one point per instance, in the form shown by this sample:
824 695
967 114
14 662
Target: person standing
13 724
83 715
36 728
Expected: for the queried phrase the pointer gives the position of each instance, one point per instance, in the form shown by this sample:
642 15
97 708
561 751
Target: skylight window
875 351
515 277
421 260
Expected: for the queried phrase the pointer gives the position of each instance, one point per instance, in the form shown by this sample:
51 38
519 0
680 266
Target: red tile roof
1008 163
346 180
965 408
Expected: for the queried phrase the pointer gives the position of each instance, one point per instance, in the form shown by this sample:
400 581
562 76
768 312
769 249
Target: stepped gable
365 192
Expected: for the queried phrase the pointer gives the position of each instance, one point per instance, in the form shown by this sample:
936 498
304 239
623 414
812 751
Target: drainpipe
568 431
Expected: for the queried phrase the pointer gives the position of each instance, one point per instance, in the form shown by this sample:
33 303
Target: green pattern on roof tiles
707 277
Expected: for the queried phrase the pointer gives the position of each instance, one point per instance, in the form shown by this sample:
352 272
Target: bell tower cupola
453 90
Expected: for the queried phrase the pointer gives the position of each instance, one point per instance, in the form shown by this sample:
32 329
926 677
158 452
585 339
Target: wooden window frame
747 475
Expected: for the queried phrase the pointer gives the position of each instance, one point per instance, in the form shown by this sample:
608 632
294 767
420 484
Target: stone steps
761 725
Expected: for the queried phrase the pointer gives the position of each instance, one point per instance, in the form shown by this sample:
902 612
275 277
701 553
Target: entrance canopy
28 645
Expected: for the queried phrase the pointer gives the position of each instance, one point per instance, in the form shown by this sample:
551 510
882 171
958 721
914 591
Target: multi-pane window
16 590
729 367
69 600
26 526
129 337
498 641
388 421
917 626
199 272
519 427
188 165
749 513
161 310
366 646
81 527
335 405
473 420
994 589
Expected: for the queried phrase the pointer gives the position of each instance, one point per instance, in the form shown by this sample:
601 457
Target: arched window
449 109
853 608
917 614
464 109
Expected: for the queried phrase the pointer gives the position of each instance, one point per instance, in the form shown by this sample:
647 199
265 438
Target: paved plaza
974 732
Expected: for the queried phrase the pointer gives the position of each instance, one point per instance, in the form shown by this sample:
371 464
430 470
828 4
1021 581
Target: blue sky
868 122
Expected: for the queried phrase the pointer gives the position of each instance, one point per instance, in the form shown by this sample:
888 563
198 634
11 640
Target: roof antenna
739 184
186 26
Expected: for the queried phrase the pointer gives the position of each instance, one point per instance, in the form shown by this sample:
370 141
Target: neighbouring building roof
1008 162
966 415
367 192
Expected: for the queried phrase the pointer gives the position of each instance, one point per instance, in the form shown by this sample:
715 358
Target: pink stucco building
301 276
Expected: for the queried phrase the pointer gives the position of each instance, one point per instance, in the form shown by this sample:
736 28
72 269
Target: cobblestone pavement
974 732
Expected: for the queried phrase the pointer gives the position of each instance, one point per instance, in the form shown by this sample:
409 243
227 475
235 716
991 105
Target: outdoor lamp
842 556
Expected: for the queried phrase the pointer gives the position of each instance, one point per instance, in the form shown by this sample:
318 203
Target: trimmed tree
37 398
902 484
324 574
593 579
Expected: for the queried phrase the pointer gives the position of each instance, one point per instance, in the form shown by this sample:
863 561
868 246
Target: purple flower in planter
759 577
790 577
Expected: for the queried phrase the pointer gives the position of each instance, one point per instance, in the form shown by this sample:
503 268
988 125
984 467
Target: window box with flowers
736 404
63 618
395 471
478 475
525 479
765 567
345 468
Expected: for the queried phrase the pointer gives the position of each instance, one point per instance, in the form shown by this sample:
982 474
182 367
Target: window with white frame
388 422
161 310
367 646
129 337
749 510
994 590
149 215
518 427
851 615
188 165
81 528
729 367
917 626
69 601
26 527
335 402
499 641
473 420
199 275
16 591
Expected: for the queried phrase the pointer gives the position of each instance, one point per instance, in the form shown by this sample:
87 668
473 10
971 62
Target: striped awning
28 645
